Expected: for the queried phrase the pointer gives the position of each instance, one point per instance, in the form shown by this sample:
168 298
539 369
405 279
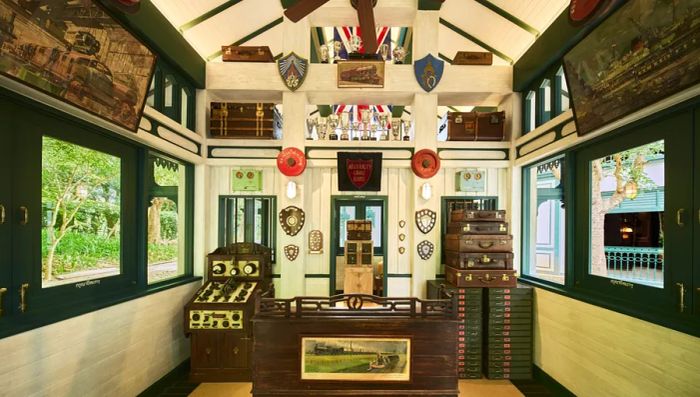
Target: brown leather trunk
480 278
472 260
476 126
234 53
472 215
478 243
473 58
477 228
244 121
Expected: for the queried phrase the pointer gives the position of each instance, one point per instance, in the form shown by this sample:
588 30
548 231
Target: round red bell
291 161
581 10
425 163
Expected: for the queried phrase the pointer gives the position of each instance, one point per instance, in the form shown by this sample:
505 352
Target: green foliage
652 151
165 176
162 252
82 251
168 225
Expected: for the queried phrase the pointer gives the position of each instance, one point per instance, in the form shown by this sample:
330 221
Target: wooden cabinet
220 355
358 280
359 252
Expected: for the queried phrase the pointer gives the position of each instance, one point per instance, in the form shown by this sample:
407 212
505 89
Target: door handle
679 217
23 297
25 215
2 292
2 214
681 291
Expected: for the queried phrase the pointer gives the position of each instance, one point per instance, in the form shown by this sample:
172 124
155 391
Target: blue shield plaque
428 71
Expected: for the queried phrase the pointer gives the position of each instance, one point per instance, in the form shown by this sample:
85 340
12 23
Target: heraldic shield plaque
359 172
292 220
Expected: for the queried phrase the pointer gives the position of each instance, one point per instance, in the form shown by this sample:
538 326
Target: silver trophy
383 122
373 132
345 126
322 128
333 125
355 43
407 130
310 124
365 123
356 130
337 45
324 54
384 51
399 54
396 128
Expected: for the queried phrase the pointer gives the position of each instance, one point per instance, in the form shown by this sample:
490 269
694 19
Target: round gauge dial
249 268
234 271
218 268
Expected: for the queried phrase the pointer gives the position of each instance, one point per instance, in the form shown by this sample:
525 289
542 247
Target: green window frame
166 95
547 91
243 229
24 124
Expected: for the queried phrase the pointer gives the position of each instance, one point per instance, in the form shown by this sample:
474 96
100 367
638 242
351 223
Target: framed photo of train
92 63
360 74
353 358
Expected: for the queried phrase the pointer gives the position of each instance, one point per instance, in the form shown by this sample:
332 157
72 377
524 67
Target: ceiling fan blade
365 13
302 8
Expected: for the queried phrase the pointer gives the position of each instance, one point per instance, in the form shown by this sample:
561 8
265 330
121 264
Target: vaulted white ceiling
506 27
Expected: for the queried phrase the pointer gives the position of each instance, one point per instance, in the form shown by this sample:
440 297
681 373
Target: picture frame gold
360 74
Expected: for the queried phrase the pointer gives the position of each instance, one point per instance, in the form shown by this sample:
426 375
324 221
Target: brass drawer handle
679 217
2 214
681 291
25 215
2 292
23 297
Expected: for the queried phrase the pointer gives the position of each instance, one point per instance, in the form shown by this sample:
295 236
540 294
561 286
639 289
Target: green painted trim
510 17
154 131
506 151
400 275
452 108
250 36
430 5
366 148
445 58
317 275
154 29
276 276
160 386
276 57
557 129
397 111
475 40
211 148
209 14
324 110
287 3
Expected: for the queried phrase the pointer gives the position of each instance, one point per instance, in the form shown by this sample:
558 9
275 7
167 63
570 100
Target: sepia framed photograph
360 74
351 358
92 63
644 52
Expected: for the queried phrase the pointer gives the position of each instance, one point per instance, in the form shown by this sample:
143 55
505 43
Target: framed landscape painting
356 359
74 51
644 52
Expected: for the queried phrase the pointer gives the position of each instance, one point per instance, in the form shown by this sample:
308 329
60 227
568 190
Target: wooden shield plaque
292 220
425 220
291 251
425 249
315 242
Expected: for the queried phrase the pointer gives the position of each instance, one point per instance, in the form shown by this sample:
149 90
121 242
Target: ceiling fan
365 14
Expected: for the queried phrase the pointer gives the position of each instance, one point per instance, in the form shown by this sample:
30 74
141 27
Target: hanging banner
359 172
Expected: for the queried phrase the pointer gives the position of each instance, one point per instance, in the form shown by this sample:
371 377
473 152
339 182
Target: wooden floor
471 388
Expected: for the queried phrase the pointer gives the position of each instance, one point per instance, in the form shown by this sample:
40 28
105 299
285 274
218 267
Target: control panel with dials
216 319
235 268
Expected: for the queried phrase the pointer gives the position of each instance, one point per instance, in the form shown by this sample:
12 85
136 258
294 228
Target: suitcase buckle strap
458 119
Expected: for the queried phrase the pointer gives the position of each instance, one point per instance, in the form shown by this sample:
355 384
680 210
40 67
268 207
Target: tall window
544 97
530 114
81 205
627 206
167 219
544 221
247 219
562 91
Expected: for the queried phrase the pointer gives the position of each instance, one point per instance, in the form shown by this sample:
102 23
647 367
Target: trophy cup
337 45
333 124
406 130
399 54
344 126
365 122
373 136
396 128
356 129
310 124
322 128
324 54
383 121
384 51
355 44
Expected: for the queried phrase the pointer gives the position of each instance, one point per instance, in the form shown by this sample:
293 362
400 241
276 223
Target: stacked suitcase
478 250
469 335
509 333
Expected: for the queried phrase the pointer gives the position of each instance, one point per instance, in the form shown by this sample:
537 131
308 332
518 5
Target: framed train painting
75 51
645 51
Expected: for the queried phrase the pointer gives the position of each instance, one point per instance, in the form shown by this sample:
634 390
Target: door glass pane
374 214
166 222
347 213
564 94
151 98
530 111
168 82
627 215
545 222
184 102
259 221
240 220
81 210
546 98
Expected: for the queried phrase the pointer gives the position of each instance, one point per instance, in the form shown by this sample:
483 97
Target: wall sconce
291 189
631 190
426 191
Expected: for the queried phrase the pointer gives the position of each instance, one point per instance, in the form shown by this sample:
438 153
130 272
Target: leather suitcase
476 216
478 243
473 58
465 260
244 121
476 126
234 53
477 228
480 278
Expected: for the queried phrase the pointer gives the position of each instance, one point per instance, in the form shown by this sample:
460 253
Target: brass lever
679 216
25 215
23 297
2 214
681 290
2 292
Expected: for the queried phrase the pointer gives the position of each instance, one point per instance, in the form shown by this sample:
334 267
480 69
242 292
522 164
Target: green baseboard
554 387
181 371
